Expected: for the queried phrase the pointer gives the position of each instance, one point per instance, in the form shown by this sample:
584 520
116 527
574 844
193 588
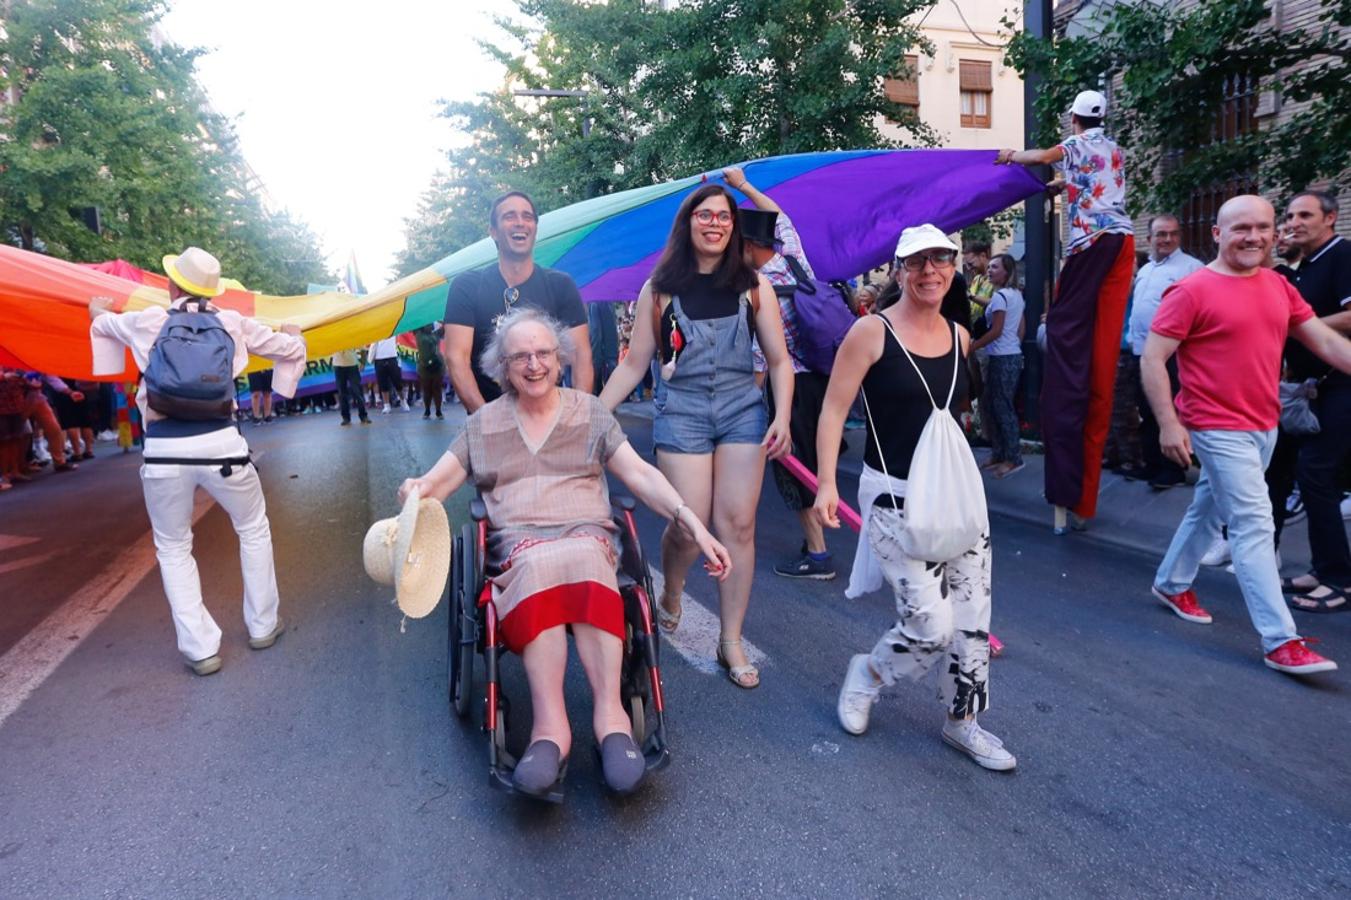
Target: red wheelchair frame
473 630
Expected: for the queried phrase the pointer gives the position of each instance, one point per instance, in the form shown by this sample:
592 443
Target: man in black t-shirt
1324 280
477 299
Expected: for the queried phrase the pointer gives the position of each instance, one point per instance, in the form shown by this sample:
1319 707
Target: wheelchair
473 634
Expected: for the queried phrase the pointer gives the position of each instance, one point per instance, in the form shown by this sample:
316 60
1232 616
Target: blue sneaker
806 567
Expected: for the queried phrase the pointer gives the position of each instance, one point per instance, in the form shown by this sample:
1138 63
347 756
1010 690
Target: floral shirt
1095 189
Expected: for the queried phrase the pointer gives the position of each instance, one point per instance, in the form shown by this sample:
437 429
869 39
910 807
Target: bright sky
336 104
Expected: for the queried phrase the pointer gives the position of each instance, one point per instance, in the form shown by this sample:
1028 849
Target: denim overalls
712 398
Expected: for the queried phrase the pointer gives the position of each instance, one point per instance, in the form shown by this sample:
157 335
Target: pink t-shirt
1232 330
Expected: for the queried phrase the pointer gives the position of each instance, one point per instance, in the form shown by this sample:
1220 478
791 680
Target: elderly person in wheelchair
538 456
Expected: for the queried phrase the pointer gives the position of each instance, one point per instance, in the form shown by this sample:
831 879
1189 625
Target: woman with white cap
911 364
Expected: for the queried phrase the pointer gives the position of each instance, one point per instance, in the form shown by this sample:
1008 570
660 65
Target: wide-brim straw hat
195 271
411 551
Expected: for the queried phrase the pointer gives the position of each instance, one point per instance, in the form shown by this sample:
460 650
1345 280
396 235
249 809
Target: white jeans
169 491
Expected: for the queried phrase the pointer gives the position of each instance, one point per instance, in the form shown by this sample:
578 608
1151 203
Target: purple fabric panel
622 284
849 213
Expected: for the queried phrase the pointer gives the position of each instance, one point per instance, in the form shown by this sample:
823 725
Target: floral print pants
943 616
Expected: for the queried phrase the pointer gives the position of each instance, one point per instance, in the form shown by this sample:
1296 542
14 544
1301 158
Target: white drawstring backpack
945 513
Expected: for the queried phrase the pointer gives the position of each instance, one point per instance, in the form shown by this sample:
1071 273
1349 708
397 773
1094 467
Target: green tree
667 93
109 117
1171 68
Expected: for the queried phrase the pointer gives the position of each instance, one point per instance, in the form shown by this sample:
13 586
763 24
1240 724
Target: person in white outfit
224 470
906 358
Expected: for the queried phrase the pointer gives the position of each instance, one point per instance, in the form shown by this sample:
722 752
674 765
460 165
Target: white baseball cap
1090 103
922 237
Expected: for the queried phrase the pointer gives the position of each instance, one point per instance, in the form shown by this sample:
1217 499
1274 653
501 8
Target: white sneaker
857 695
1218 554
986 749
106 436
386 411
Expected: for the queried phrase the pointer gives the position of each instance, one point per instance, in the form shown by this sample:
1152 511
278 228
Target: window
1236 117
905 91
977 90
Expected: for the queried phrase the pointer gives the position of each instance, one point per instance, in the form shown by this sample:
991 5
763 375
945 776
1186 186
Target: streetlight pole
1038 261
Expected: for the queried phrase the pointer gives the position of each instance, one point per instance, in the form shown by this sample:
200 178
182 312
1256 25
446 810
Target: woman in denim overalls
710 430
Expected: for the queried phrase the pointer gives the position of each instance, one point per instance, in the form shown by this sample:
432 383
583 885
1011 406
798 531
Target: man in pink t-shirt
1227 323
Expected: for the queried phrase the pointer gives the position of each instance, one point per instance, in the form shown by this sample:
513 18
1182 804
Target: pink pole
808 477
851 518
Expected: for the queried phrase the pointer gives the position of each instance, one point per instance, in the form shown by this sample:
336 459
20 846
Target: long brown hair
677 267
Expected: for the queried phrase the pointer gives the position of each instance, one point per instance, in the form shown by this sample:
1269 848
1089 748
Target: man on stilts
1083 325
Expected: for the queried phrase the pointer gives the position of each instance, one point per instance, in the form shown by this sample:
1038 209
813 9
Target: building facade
963 89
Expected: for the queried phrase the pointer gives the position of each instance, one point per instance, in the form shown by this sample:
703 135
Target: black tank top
899 404
702 298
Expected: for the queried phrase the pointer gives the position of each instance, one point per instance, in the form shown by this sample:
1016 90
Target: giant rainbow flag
849 207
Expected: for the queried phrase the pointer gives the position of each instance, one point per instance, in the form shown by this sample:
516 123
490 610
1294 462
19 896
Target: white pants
169 492
942 615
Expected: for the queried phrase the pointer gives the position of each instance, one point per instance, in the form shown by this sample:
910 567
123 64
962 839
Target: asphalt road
1156 757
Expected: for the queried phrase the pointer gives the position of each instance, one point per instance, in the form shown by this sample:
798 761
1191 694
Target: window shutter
904 90
976 75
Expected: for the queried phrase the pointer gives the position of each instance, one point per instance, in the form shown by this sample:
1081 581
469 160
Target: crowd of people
717 334
46 421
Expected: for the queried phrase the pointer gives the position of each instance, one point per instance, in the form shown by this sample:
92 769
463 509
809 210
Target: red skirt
585 603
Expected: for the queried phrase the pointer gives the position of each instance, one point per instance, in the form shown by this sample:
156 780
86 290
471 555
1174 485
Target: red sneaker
1296 658
1184 604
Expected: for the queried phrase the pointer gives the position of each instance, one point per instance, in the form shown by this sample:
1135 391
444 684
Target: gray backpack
191 370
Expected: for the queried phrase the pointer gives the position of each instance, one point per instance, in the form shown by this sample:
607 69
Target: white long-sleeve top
110 333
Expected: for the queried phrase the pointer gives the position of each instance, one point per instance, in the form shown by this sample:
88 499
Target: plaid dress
551 538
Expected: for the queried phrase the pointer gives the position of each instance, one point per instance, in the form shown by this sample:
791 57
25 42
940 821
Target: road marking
16 564
37 654
697 637
10 541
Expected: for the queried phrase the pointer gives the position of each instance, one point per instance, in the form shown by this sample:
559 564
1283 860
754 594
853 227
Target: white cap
1090 103
922 237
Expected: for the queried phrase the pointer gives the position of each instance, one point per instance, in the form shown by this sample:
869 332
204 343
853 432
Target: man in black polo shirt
477 299
1324 280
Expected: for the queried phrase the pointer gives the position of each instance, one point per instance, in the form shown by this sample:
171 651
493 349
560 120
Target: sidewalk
1131 515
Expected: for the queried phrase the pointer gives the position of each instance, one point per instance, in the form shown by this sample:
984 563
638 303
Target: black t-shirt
477 299
899 404
1324 281
702 299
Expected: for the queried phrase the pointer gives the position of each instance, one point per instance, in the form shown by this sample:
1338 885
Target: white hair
493 360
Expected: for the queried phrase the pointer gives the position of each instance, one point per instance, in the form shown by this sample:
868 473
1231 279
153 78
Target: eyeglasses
510 296
708 217
941 259
520 360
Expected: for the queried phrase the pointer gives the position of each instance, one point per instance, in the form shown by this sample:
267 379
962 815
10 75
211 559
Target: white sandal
736 673
668 621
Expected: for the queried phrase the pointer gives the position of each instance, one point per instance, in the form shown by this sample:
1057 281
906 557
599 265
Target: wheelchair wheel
463 618
638 716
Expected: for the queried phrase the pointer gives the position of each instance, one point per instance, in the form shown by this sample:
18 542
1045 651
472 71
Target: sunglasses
708 217
941 259
510 296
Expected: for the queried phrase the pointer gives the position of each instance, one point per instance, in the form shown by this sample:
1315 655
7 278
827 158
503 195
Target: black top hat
757 226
